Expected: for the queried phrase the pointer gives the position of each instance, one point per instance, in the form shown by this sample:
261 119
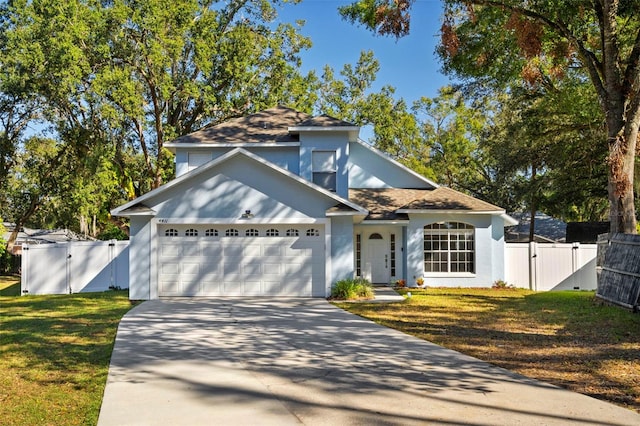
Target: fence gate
64 268
544 267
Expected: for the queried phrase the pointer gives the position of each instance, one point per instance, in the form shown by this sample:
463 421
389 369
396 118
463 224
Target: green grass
54 355
565 338
9 285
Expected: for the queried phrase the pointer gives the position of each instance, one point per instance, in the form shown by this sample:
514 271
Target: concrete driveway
304 361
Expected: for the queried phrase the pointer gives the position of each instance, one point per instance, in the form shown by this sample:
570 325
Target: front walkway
304 361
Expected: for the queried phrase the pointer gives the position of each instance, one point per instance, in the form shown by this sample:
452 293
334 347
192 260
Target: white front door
377 257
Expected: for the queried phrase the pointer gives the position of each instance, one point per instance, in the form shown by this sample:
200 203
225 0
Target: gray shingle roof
383 203
268 126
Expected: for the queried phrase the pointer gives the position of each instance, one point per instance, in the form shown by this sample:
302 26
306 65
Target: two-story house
283 203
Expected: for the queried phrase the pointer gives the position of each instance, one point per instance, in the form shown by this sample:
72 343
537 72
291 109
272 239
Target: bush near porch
564 338
54 355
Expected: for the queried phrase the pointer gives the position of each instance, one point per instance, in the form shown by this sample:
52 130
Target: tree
498 40
350 98
111 82
451 130
137 74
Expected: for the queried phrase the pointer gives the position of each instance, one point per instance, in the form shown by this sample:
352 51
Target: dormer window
324 169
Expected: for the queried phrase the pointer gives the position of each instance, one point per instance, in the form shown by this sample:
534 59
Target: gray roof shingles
383 203
268 126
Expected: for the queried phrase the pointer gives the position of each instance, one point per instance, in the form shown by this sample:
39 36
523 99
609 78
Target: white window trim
449 274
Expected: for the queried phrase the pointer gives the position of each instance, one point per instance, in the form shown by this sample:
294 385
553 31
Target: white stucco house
283 203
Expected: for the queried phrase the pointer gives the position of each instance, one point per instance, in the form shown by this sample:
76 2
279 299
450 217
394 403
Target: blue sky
408 64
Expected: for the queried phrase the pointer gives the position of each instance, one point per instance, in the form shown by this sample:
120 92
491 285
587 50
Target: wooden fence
619 275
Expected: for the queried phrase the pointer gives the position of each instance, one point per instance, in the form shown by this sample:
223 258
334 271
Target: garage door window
211 233
313 232
251 232
272 232
171 232
292 233
231 232
191 233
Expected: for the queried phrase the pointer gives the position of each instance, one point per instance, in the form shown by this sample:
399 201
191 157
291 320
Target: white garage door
241 260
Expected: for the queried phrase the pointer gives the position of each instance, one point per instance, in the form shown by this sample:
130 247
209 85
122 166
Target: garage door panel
170 268
191 250
212 287
232 288
241 265
171 250
253 287
292 269
272 269
232 251
212 251
234 268
170 287
252 269
272 250
190 268
190 287
251 251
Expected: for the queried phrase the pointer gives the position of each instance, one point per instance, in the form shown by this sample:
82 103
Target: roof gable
371 168
241 166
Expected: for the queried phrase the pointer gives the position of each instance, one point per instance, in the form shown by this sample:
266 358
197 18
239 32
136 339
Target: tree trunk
622 138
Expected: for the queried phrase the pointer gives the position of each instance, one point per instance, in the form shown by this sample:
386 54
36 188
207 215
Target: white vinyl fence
74 267
543 267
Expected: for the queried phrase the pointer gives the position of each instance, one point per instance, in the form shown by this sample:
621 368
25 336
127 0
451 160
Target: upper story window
449 247
324 169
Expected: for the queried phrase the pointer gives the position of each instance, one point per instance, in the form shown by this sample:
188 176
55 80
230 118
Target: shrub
500 284
352 288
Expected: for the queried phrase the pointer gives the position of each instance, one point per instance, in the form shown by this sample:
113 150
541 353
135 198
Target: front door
378 258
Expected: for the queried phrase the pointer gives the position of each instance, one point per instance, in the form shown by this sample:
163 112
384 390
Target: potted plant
420 282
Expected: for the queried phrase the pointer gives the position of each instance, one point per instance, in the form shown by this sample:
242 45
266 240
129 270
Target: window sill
449 275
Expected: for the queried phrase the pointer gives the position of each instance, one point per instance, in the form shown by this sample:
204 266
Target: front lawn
564 338
54 356
9 285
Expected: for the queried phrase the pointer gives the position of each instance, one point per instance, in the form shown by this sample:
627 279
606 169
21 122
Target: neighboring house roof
138 206
396 203
42 236
547 229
